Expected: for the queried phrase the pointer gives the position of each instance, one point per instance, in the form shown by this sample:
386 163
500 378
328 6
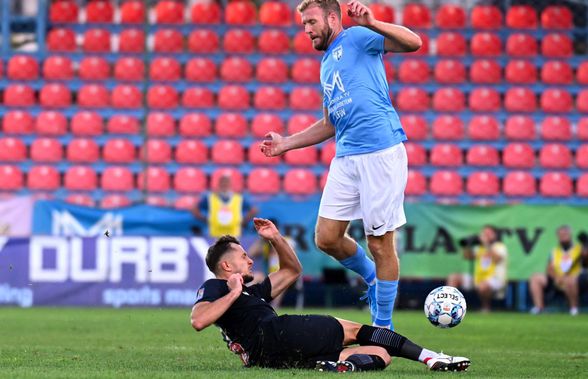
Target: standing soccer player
368 175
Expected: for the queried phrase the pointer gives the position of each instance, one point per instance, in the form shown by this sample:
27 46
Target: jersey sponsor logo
336 82
199 294
338 53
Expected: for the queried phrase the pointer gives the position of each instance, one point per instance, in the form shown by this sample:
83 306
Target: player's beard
247 278
325 36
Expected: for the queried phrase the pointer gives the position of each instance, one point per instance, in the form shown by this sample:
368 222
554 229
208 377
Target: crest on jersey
338 53
199 294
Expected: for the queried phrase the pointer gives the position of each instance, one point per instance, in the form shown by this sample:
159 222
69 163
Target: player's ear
225 266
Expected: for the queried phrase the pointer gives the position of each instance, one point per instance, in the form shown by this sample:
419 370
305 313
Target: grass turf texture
150 343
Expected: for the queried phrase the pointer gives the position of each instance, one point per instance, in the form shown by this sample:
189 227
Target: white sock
427 354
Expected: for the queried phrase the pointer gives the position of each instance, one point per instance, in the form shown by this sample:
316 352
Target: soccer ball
445 307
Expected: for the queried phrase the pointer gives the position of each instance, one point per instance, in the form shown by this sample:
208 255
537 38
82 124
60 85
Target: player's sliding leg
359 358
387 272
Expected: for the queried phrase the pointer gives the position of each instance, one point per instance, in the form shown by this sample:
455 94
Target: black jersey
241 322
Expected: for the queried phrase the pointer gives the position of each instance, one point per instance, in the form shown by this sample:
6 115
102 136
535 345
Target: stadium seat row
278 13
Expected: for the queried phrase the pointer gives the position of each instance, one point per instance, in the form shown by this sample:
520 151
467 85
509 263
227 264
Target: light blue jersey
355 92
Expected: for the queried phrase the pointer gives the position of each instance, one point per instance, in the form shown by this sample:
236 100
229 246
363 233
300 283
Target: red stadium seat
119 150
61 39
96 41
264 123
94 68
236 176
519 128
446 183
123 124
80 199
450 16
162 97
58 68
412 99
205 12
482 155
234 97
80 178
43 178
240 13
388 69
22 67
448 100
197 97
227 152
64 11
382 12
484 128
156 201
239 41
302 157
99 11
165 69
556 100
115 200
186 202
168 41
328 152
484 99
117 179
303 44
486 17
17 122
448 127
450 72
195 125
269 98
582 73
273 41
129 69
518 155
416 153
555 155
520 99
582 101
485 71
582 157
18 95
51 123
520 72
55 95
582 185
160 124
131 41
557 72
323 180
132 12
204 41
521 45
483 184
191 152
190 180
557 45
486 44
556 184
231 125
236 69
415 127
169 12
416 16
451 44
12 150
519 183
256 157
299 122
87 123
300 182
521 17
425 47
416 184
154 179
556 128
275 13
582 129
413 71
557 17
82 150
93 96
445 154
263 181
345 19
272 70
201 70
156 151
305 99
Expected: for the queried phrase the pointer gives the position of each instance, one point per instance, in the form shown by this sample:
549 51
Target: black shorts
298 341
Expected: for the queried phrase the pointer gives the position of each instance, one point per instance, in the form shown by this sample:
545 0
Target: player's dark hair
326 5
218 249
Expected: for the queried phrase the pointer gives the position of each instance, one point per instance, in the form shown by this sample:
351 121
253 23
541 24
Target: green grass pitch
157 343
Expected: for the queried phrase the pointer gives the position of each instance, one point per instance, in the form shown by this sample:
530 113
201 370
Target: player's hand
266 229
235 283
360 13
273 145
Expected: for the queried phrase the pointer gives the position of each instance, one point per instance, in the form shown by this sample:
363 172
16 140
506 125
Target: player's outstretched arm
290 267
206 313
399 39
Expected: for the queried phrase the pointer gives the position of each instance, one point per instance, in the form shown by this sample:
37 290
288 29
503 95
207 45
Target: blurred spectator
225 212
563 271
490 257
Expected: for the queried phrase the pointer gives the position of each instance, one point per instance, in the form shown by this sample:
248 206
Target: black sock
365 362
395 344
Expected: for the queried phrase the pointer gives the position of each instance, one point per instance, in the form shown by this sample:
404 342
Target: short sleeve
212 290
262 290
367 40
